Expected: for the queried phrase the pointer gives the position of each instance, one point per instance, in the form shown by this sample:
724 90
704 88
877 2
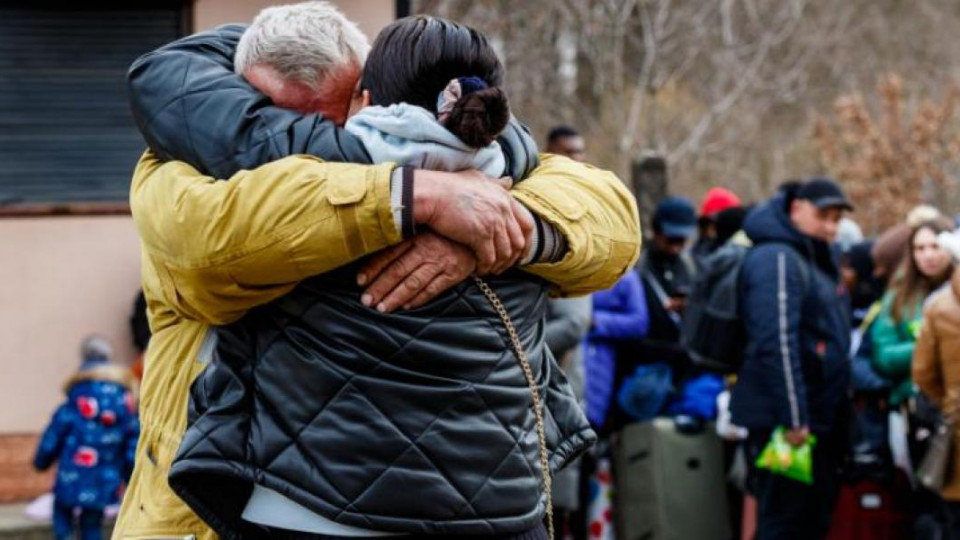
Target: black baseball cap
675 217
824 193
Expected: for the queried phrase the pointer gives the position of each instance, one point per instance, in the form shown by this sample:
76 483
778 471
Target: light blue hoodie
411 135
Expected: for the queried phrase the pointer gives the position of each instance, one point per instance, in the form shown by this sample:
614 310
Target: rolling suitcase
670 485
873 510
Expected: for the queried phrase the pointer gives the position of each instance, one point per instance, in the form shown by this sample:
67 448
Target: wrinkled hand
797 436
411 274
468 208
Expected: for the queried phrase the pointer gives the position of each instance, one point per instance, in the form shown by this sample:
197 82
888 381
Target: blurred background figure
92 437
566 141
667 273
716 201
925 267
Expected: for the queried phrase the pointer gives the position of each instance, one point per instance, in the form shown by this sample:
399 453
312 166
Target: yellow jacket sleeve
220 248
597 216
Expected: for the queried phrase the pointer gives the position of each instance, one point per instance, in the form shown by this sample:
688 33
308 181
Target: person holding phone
667 272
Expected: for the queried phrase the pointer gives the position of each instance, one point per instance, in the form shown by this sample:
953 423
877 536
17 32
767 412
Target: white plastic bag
899 448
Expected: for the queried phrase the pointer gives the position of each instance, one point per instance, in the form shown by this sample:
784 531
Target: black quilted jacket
415 422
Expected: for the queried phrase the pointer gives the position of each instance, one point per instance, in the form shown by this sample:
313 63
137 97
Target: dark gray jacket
414 422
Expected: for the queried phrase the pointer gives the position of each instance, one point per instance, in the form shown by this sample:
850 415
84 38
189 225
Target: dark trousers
951 529
91 523
791 510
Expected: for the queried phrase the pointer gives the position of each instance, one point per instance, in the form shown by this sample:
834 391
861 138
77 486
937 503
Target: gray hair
303 42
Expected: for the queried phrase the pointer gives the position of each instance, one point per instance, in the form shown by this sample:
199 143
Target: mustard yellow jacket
212 250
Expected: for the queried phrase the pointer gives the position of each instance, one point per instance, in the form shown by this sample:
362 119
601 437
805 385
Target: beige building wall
370 15
61 278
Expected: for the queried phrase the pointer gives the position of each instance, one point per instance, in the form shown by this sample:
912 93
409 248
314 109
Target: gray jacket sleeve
568 320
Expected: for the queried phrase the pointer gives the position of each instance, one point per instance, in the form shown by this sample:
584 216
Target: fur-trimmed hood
105 373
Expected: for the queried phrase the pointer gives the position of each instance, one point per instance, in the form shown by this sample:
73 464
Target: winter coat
170 96
212 250
426 387
619 317
936 369
796 367
893 345
568 320
663 277
92 438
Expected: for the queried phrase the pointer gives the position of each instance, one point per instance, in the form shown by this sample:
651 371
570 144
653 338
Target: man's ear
365 98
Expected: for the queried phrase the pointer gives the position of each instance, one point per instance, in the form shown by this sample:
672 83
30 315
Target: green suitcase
669 485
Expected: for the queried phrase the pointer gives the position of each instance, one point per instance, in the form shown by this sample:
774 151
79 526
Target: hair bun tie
456 89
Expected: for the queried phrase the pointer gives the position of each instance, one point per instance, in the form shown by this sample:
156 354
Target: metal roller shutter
66 134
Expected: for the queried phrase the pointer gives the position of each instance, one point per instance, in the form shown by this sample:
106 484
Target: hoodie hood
410 135
769 222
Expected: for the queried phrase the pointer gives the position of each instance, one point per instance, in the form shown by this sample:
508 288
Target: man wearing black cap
795 372
667 272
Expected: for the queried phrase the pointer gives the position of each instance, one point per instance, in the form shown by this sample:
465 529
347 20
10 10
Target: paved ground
14 526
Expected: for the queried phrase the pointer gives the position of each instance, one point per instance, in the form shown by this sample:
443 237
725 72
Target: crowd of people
780 314
350 308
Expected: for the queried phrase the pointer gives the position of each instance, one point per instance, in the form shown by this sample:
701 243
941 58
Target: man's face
670 245
332 97
572 147
819 223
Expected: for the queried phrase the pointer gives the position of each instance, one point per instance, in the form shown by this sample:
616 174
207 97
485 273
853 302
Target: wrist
424 191
401 200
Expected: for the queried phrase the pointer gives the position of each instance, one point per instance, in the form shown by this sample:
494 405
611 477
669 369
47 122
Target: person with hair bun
325 416
430 96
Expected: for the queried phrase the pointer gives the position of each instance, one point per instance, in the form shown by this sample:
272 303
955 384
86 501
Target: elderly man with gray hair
223 264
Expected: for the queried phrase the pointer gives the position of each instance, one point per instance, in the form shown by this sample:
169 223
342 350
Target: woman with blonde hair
936 370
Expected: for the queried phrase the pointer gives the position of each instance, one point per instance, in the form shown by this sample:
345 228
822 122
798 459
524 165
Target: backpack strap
658 289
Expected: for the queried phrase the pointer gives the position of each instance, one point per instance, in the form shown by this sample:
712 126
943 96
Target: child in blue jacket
93 436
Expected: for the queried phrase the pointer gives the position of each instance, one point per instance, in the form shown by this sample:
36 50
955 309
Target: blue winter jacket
93 437
619 315
796 367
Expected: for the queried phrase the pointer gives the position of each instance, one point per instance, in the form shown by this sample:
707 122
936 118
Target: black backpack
713 333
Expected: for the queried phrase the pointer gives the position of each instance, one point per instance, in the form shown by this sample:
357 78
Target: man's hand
411 274
676 304
797 436
469 208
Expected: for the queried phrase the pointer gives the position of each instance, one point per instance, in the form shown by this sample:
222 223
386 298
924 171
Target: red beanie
718 199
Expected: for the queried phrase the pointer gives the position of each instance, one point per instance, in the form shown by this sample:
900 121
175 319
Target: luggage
670 485
873 510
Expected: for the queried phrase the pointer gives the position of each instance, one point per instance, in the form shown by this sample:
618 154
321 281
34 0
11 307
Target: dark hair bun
479 117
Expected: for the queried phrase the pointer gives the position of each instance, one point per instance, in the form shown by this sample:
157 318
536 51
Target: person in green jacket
895 331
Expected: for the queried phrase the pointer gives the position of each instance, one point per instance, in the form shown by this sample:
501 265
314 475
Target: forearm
596 216
227 246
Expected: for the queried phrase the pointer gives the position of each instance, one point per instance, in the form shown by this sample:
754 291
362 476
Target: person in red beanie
717 200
